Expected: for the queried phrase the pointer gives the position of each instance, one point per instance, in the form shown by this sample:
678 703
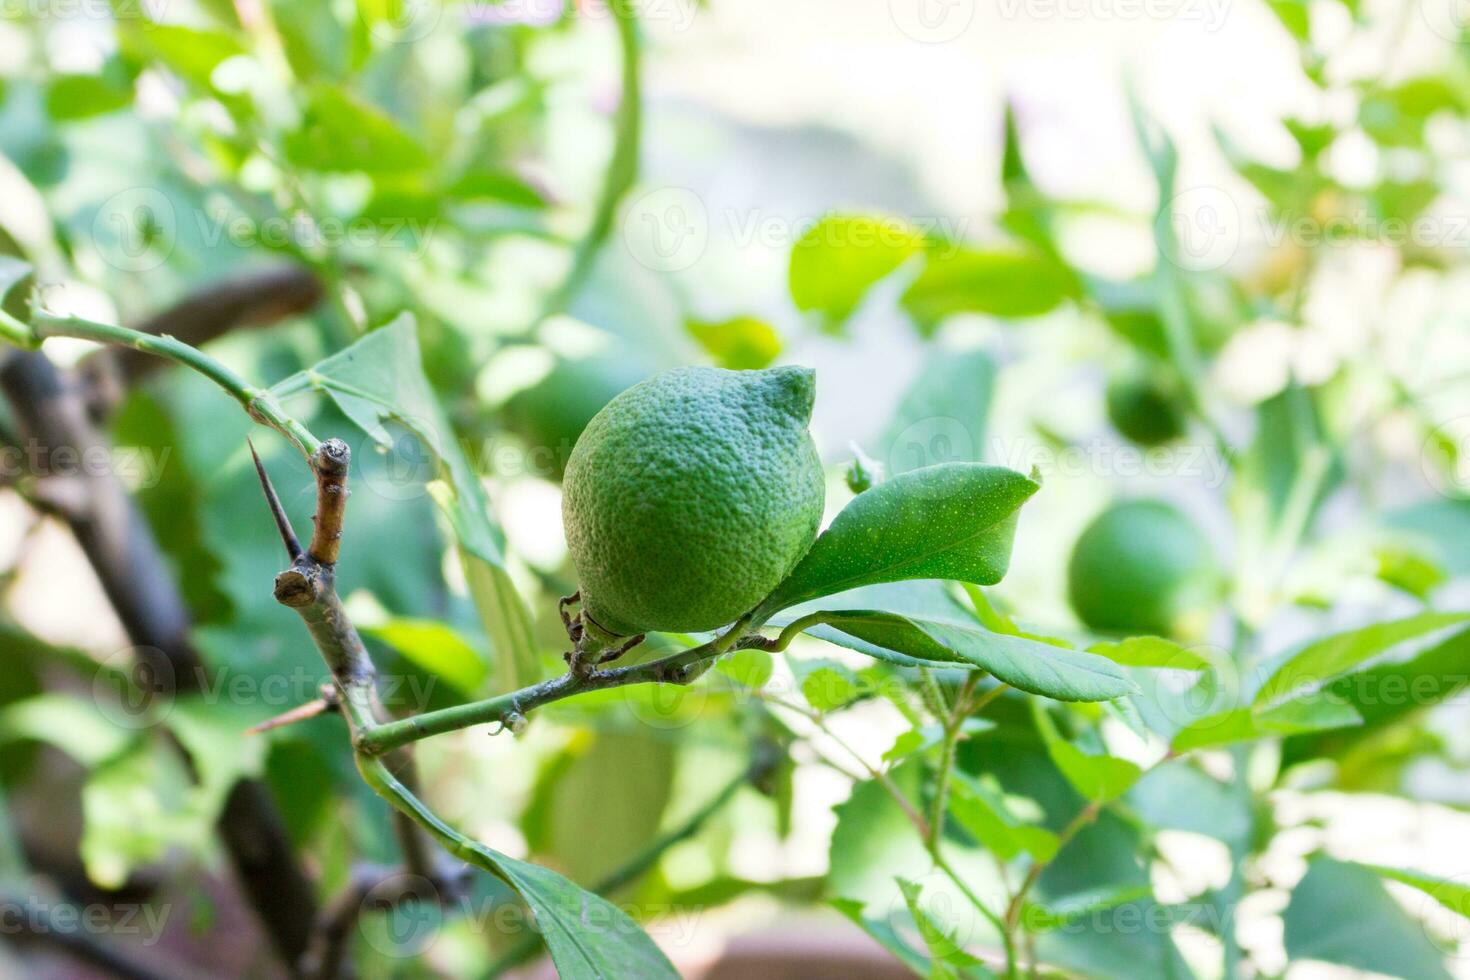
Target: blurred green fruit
1145 410
1143 567
551 414
691 496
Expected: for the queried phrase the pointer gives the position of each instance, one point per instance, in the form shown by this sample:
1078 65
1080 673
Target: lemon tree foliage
1083 711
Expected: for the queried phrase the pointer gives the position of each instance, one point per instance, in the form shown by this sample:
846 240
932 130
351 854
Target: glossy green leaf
954 521
589 937
1341 913
837 260
996 283
1037 668
380 379
340 132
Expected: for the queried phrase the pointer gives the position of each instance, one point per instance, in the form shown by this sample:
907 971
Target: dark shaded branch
50 412
38 926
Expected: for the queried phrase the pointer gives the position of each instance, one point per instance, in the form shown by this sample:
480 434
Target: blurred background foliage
1203 270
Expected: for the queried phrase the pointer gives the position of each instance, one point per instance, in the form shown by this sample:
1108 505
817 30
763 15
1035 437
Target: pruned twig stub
331 463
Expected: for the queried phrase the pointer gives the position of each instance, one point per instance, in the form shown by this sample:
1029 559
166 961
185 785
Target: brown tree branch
309 587
50 411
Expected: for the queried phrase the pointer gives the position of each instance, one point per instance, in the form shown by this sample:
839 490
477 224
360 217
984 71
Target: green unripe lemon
551 414
1143 567
1145 410
691 496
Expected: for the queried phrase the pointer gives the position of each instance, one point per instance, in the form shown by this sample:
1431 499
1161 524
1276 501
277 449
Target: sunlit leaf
954 521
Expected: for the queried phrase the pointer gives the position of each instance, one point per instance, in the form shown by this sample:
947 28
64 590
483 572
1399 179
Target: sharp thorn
283 523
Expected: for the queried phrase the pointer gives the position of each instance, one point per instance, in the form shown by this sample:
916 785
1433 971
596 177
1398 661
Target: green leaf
66 722
1018 283
589 937
944 948
748 668
491 185
954 521
1179 796
1332 656
740 344
1453 895
827 685
1076 907
1099 778
882 932
926 737
1150 651
70 97
981 810
339 132
381 379
1031 666
629 774
437 648
191 53
1293 717
125 820
13 272
841 257
1341 913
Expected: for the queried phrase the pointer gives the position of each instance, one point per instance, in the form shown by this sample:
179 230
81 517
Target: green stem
676 669
258 403
952 726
